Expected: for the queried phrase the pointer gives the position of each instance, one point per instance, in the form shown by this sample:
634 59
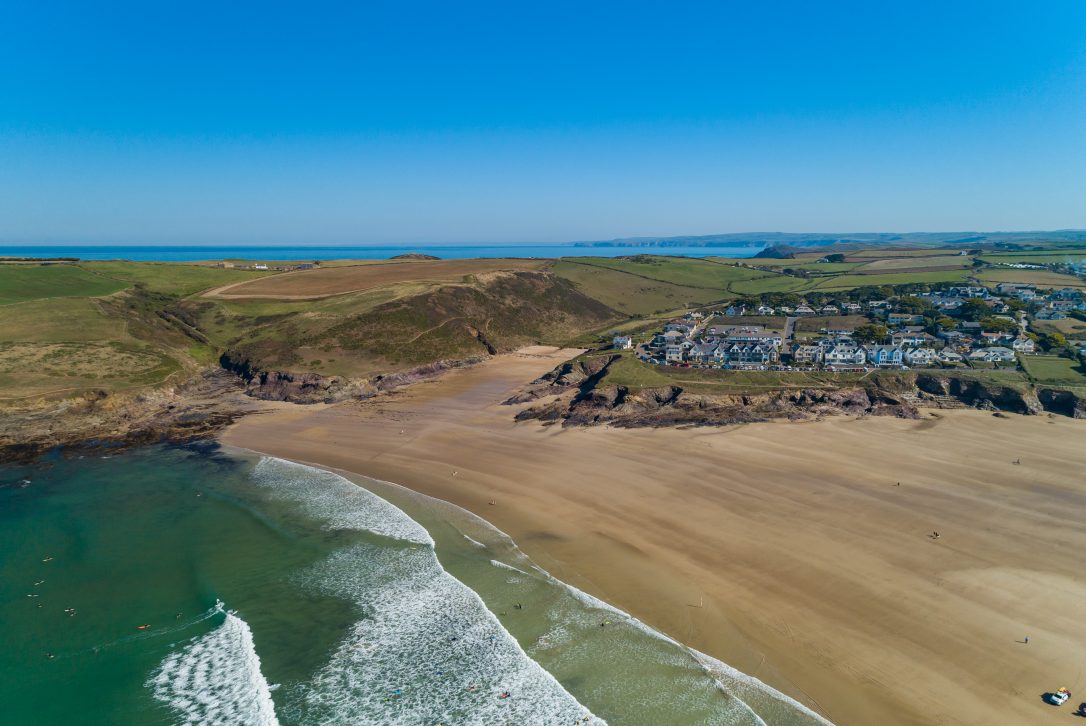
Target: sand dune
785 549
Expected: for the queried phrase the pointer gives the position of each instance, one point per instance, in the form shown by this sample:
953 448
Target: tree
914 305
974 308
1015 304
1050 341
871 333
836 257
993 324
943 322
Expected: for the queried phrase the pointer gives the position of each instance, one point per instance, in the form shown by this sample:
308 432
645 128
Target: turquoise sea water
183 253
275 593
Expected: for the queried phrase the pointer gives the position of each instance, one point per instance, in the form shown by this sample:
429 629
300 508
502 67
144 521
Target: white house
1022 344
993 355
883 355
674 353
622 342
919 356
946 355
845 355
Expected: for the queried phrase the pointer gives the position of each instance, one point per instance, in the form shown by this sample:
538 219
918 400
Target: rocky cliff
193 410
578 393
304 387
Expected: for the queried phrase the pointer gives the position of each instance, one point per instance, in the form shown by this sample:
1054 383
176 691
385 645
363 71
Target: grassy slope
402 325
121 324
21 283
96 325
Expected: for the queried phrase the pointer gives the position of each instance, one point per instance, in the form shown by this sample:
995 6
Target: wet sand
784 549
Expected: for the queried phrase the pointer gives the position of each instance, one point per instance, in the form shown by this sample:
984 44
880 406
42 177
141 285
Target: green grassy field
1041 278
1054 370
915 264
122 325
633 294
20 283
1040 257
685 271
878 254
852 281
171 278
1072 328
773 283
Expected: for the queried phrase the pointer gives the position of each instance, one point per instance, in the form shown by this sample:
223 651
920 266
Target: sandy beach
788 550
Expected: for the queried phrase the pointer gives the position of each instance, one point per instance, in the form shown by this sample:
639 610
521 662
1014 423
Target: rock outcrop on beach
307 387
672 406
196 409
578 394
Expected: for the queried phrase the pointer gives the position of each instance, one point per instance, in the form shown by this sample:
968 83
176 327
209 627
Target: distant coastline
192 253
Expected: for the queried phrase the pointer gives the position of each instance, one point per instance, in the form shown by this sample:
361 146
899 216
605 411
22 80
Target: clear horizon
393 124
524 243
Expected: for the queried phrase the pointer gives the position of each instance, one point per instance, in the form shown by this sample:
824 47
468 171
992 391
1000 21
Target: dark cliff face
672 406
1062 402
301 387
980 394
584 398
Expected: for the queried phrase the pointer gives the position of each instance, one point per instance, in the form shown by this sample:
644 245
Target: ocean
200 585
188 253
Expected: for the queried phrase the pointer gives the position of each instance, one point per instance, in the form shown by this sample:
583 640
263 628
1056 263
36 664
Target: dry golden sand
785 549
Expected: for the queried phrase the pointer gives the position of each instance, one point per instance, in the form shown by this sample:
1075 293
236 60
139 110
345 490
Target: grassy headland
71 326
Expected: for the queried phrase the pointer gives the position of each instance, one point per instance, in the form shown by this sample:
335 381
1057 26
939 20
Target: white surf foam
731 680
340 503
426 638
216 679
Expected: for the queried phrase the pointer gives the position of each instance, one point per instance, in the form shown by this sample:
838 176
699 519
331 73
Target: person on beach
1026 640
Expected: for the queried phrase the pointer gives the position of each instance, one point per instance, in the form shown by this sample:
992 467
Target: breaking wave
216 679
427 649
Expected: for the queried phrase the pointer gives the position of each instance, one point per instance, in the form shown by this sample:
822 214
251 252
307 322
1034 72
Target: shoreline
768 546
712 667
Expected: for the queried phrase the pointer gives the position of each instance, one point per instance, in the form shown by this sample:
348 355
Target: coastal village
954 326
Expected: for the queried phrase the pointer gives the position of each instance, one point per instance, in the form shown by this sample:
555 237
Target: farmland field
631 294
685 271
850 281
1042 278
19 283
324 282
171 278
916 263
1040 257
772 283
878 254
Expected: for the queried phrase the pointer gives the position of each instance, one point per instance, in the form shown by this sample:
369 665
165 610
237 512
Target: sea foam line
428 649
216 679
716 669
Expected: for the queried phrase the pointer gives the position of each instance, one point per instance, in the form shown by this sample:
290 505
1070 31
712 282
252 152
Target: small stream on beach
200 585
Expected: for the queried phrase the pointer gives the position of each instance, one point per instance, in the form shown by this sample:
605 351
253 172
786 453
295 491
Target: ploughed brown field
786 549
311 284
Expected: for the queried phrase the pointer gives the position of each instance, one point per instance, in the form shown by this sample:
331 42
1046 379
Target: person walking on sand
1026 640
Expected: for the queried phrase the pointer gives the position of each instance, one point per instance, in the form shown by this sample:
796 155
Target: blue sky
413 122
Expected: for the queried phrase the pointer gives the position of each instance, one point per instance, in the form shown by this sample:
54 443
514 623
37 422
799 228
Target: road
789 329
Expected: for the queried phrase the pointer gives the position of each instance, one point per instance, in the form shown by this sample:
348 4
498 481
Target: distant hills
820 239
